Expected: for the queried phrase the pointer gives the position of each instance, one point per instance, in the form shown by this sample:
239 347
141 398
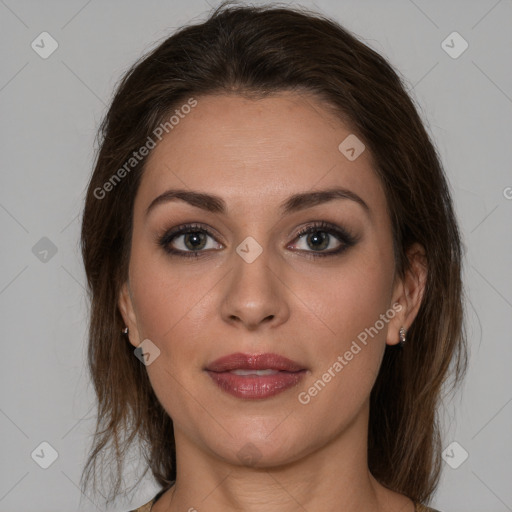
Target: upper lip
240 361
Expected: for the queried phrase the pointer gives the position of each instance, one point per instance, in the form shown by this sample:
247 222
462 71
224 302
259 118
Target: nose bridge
253 294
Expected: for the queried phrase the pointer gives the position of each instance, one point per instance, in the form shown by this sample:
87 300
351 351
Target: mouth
255 376
240 361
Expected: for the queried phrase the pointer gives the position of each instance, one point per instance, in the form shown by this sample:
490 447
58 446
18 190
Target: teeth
254 372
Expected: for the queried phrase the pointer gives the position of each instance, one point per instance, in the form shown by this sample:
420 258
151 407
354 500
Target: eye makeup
195 240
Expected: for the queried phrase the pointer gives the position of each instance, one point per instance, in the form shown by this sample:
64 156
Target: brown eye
324 239
318 240
194 240
189 240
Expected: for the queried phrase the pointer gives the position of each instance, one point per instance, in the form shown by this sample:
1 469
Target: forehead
260 151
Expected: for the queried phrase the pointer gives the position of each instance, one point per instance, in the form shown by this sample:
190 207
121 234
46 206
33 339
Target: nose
254 294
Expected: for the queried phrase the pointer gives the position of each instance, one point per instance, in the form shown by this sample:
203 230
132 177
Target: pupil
322 239
197 238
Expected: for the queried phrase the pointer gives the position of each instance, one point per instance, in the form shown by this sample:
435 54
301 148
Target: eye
321 236
318 239
188 240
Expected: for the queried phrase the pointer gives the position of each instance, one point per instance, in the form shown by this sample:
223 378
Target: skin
255 154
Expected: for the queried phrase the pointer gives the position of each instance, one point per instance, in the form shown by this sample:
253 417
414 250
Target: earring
401 336
124 332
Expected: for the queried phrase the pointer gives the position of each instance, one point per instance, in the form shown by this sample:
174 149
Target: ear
408 293
128 313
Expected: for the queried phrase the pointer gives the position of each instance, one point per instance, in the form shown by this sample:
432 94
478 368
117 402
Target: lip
240 361
289 374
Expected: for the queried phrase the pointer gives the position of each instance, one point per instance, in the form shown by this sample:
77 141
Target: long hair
256 51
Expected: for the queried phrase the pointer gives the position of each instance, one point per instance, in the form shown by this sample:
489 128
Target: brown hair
255 51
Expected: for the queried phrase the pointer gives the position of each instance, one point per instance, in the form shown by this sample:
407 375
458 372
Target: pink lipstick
255 376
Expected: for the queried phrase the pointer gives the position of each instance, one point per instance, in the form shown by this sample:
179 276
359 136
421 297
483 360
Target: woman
275 272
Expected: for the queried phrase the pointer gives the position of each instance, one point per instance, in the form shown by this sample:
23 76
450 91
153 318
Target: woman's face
328 300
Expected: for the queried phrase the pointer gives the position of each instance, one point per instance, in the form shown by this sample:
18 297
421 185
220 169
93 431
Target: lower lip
254 386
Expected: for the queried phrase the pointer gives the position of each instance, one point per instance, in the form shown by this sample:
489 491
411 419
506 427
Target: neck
331 477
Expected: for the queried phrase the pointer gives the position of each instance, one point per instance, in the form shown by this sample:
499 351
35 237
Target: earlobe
128 313
409 293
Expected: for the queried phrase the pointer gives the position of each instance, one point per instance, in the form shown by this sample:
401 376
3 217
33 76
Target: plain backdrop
50 111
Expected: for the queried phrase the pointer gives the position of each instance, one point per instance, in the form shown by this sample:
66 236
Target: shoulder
147 507
423 508
144 508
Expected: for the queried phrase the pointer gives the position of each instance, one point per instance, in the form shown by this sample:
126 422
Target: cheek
347 363
166 295
171 309
175 310
354 306
345 300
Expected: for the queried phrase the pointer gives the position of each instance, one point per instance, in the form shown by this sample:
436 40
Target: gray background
50 110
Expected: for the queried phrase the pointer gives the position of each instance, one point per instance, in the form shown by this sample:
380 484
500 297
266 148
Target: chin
261 449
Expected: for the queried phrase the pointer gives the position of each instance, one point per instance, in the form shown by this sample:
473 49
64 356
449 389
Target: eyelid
186 227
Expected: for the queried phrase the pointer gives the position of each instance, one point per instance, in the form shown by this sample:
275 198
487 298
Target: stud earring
124 332
401 336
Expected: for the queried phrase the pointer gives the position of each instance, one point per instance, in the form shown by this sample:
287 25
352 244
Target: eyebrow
294 203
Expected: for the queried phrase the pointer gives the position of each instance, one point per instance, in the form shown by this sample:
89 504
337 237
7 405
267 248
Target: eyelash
347 240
